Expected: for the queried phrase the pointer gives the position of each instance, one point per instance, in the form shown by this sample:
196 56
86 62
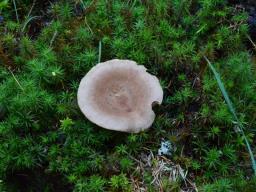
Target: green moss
44 134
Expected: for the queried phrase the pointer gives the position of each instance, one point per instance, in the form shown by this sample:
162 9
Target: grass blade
99 58
16 80
16 12
53 37
27 21
232 110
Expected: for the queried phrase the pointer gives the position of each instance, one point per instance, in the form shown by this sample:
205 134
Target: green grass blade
16 80
223 90
27 21
53 37
16 12
99 58
232 110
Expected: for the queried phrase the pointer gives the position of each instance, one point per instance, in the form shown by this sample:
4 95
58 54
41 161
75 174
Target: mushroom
118 95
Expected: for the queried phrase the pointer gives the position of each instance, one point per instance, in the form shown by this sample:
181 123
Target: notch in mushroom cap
118 95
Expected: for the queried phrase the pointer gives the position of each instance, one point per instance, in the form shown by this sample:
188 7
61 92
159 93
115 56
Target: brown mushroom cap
118 95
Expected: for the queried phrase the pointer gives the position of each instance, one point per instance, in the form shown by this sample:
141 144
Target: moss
43 133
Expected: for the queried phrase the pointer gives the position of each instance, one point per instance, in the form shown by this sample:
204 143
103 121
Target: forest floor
207 122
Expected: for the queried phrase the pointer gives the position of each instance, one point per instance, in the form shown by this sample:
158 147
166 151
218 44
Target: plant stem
99 58
30 11
16 12
250 39
16 80
53 37
233 112
27 21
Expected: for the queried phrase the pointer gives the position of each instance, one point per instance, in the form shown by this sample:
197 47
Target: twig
194 82
192 184
133 158
250 39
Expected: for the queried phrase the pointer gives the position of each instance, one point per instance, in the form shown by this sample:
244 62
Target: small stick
254 45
